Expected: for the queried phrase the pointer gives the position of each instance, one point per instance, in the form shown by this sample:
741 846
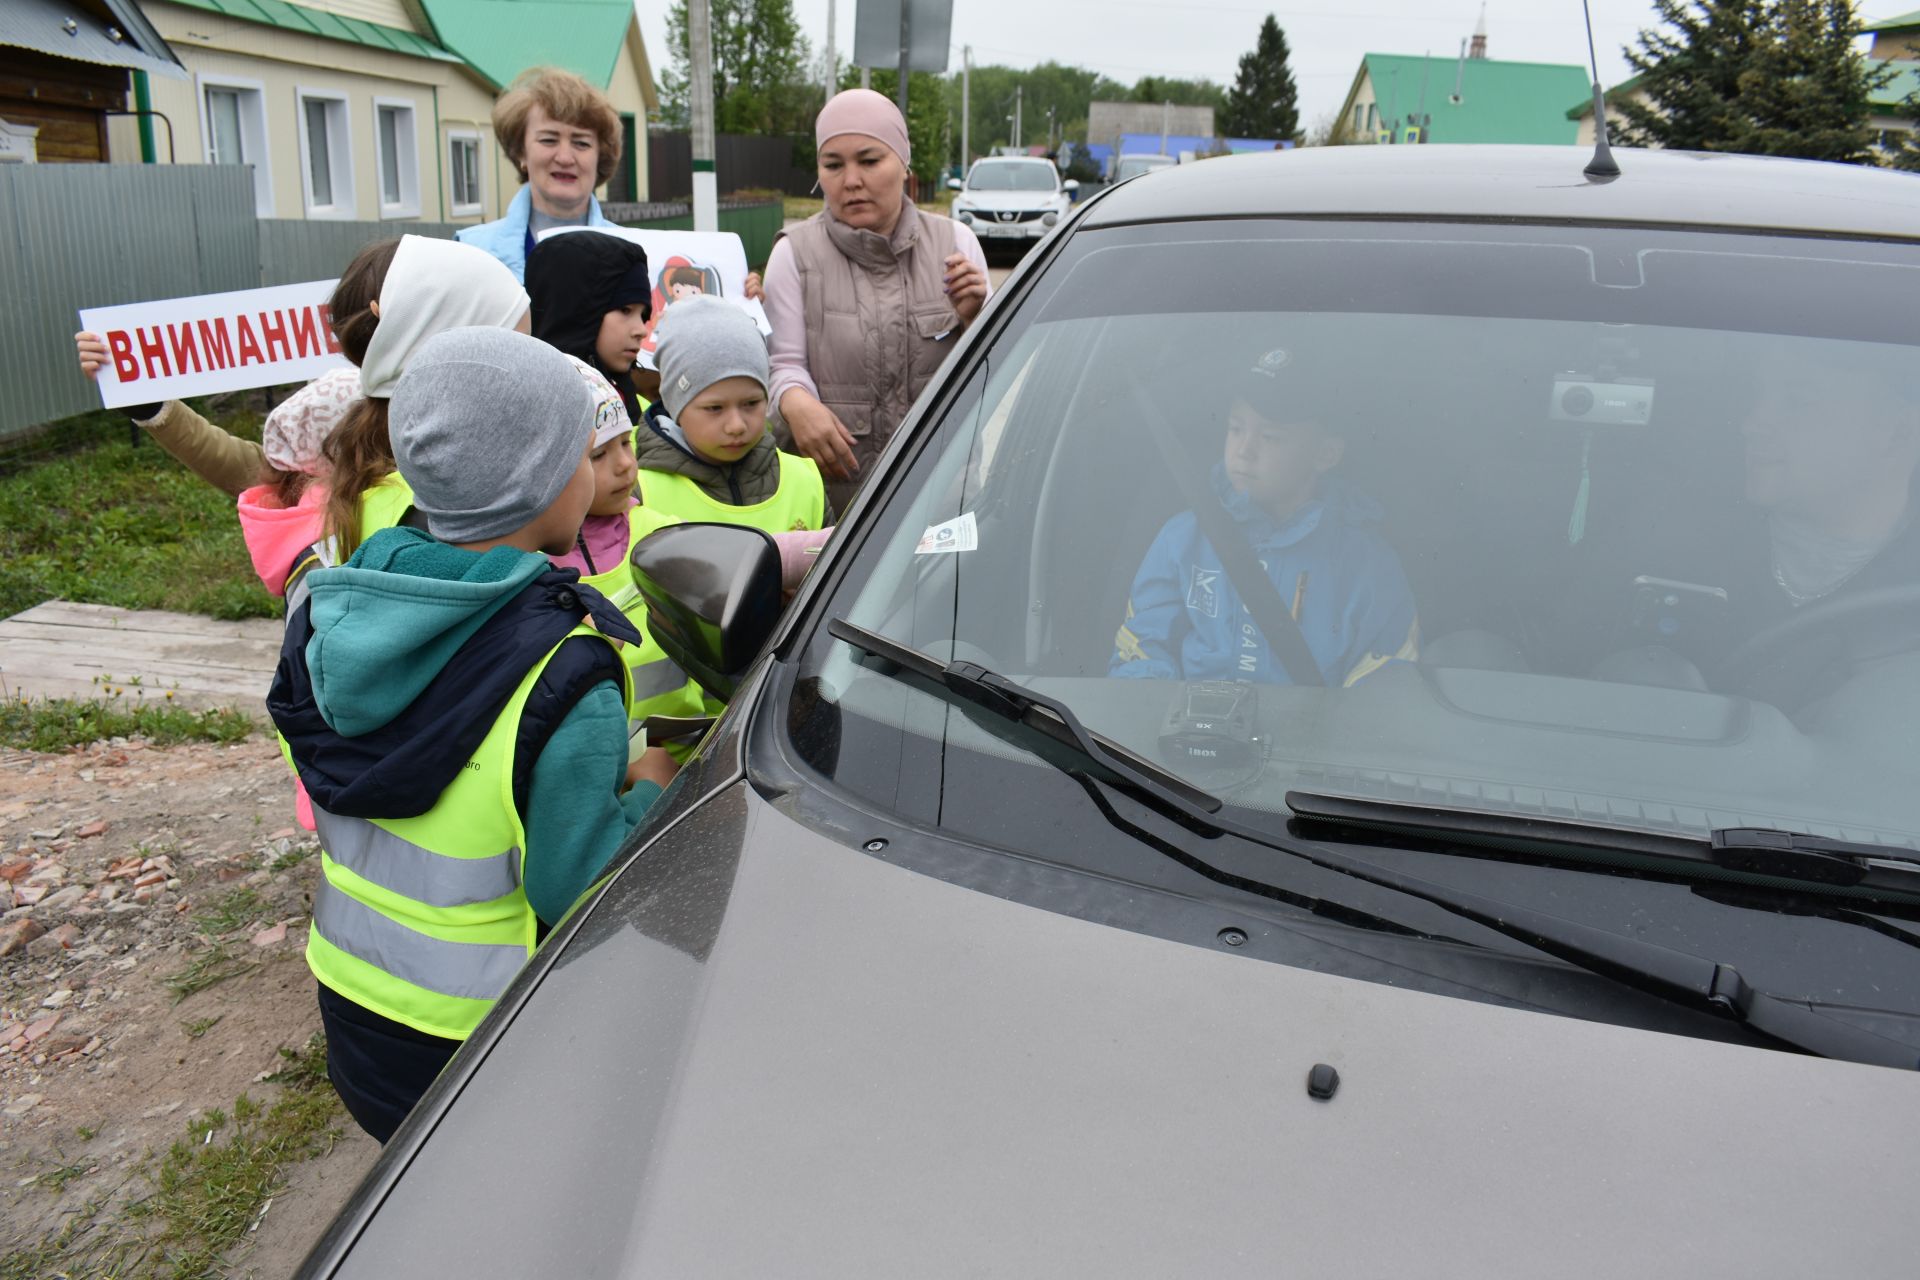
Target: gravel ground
130 875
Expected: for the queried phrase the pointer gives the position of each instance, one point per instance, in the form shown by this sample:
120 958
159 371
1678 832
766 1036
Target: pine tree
1764 77
1264 102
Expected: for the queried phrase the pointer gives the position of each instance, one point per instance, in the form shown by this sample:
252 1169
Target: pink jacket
277 534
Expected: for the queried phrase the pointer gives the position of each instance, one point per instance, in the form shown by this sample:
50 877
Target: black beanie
573 280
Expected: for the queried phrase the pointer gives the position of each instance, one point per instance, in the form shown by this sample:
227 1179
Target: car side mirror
713 598
1072 184
954 184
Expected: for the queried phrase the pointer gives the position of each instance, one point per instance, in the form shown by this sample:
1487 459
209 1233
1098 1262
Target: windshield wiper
1776 855
1661 971
1049 716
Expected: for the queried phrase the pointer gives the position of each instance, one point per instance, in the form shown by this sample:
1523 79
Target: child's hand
753 287
654 765
92 352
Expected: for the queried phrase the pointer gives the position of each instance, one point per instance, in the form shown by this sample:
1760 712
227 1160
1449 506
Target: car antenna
1602 165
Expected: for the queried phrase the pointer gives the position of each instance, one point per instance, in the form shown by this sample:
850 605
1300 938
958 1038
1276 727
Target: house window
1372 119
1357 118
233 130
463 170
396 147
326 154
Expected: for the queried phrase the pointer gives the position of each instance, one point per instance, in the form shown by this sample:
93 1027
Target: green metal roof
331 26
502 38
1900 23
1515 102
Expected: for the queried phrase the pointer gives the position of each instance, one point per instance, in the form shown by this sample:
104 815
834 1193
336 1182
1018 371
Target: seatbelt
1257 592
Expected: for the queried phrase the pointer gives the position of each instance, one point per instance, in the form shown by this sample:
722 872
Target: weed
55 724
200 1026
291 858
240 907
86 1132
209 968
56 1178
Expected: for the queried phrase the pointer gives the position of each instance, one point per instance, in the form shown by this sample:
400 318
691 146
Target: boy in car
1341 581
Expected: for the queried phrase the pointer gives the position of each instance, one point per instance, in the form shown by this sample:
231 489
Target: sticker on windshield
960 534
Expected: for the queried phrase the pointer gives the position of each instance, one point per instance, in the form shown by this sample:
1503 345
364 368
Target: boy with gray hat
457 709
709 455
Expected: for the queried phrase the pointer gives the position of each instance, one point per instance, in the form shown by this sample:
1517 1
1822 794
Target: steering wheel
1779 663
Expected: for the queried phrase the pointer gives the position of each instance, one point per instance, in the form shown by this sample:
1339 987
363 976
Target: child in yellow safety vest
458 710
705 452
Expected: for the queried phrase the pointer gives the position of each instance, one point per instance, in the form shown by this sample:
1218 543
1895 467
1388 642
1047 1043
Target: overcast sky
1127 39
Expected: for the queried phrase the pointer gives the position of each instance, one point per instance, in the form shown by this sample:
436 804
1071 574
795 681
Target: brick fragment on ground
271 937
15 934
97 827
16 869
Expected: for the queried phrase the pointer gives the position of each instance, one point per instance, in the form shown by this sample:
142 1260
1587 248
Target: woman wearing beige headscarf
866 297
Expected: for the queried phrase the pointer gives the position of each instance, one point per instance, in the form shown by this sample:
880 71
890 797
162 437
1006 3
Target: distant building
379 109
1398 98
65 68
1107 122
1896 39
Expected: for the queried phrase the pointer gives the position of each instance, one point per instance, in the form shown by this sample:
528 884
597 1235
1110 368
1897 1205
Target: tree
1181 93
1764 77
1264 102
760 82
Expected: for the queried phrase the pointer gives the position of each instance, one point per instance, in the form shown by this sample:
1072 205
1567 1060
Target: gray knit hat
702 340
488 426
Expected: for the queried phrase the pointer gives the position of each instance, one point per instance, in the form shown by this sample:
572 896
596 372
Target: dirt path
153 907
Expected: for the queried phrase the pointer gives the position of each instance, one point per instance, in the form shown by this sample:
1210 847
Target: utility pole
1019 129
866 77
906 43
1166 114
833 54
966 108
706 189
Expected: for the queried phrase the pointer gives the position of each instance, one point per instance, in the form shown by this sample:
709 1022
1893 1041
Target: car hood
769 1053
1017 200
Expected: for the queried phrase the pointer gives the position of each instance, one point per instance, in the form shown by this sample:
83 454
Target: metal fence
294 251
89 235
741 162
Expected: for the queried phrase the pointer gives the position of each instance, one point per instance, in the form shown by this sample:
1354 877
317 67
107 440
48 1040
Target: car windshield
1606 524
988 176
1132 166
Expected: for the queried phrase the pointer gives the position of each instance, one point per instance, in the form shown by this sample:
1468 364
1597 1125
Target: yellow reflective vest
660 688
799 503
425 920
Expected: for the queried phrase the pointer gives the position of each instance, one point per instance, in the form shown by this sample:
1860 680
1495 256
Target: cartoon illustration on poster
683 263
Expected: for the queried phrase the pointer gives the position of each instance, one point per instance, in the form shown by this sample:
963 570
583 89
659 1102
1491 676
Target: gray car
1056 899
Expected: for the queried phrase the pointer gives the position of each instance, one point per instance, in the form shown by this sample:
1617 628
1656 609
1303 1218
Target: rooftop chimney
1478 49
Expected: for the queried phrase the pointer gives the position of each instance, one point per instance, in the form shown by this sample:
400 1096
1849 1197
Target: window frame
456 207
255 151
342 199
407 158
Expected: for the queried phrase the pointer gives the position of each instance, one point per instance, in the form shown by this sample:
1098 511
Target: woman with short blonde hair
563 135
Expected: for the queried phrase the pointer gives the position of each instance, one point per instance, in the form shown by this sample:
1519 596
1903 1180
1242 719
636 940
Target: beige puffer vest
878 322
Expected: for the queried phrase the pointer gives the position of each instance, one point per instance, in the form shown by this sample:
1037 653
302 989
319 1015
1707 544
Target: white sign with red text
214 342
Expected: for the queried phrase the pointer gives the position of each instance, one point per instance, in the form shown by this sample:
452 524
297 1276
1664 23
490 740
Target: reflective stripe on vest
466 970
425 920
799 503
660 687
400 866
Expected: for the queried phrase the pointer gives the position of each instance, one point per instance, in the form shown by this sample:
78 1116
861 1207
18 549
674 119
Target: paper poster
682 264
960 534
214 342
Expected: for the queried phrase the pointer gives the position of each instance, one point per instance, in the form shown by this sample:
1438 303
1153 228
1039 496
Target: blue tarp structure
1133 144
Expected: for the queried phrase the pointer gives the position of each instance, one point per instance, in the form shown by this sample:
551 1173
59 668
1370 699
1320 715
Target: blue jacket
1341 579
507 238
393 673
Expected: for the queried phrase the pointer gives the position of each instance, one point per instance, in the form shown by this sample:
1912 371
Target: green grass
55 724
204 1194
208 968
103 522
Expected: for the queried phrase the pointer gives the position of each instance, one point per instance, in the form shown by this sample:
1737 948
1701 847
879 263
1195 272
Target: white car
1012 198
